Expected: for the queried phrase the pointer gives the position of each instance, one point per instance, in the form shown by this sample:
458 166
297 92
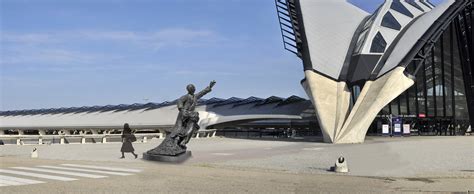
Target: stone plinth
167 158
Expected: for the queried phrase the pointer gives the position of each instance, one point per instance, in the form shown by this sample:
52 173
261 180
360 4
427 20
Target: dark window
369 22
429 2
430 82
400 8
394 107
414 4
403 103
412 104
426 4
390 22
439 92
361 41
378 44
459 89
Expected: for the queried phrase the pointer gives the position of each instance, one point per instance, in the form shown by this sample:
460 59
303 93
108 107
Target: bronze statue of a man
186 124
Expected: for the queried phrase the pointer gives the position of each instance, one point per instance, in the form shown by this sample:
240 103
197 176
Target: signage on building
422 115
397 126
385 130
406 129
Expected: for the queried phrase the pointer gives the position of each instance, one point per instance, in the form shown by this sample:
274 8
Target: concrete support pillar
197 135
41 132
94 131
144 139
18 141
65 132
374 96
105 133
83 140
331 100
162 134
213 133
61 141
20 132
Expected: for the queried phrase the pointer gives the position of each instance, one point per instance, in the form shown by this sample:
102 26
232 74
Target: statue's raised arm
206 90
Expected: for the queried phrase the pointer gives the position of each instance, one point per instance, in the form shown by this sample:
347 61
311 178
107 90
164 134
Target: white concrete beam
331 101
374 96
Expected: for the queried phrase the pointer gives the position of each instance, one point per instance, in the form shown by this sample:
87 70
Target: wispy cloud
74 50
205 73
26 38
169 37
52 56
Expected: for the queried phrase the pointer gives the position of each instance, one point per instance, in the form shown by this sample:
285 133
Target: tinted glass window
426 4
361 41
390 22
429 2
400 8
378 44
414 4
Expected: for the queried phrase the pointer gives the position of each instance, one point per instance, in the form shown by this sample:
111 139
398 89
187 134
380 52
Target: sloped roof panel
212 101
336 19
270 100
232 100
290 100
249 100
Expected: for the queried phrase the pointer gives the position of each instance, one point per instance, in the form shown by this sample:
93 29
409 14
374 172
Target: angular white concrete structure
355 63
375 95
331 101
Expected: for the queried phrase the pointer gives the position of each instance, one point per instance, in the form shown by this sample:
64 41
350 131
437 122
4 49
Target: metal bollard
341 165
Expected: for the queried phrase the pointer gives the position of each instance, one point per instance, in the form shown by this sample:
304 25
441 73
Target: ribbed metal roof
290 100
215 102
249 100
270 100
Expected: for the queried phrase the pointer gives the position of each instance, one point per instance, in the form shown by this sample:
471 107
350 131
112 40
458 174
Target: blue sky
57 53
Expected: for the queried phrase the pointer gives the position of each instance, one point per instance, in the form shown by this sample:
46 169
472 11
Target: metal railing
87 138
288 19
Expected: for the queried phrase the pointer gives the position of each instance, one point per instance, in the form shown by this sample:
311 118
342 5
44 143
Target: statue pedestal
167 158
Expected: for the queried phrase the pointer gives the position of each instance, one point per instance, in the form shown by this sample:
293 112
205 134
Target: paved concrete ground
237 165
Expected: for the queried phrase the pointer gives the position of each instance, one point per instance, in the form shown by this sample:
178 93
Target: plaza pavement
218 165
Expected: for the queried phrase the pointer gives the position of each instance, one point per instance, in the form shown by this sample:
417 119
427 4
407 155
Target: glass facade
378 44
390 22
437 103
414 4
400 8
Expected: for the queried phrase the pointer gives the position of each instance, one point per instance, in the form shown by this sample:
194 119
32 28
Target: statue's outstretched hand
213 82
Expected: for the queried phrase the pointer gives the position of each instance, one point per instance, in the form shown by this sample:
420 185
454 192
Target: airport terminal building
409 59
251 116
